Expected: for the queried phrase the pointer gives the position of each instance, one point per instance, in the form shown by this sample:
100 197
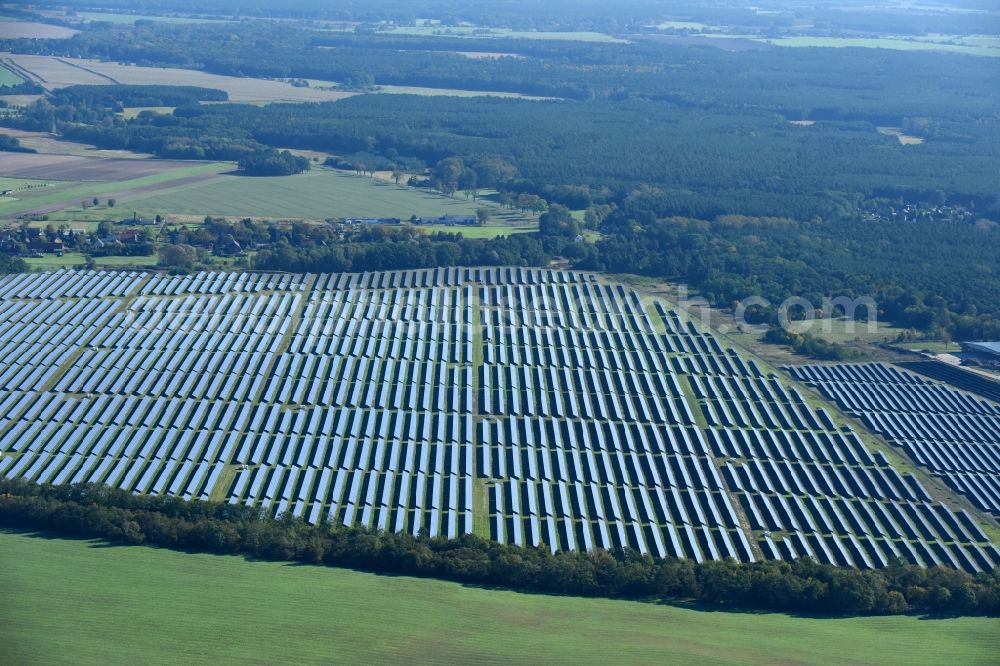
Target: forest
702 163
766 17
93 511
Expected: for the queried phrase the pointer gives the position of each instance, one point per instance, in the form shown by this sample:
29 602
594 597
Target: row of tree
92 511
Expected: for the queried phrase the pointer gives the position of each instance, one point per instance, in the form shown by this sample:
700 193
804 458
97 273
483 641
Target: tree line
94 511
925 276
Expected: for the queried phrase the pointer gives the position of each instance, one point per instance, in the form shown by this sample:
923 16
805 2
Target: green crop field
88 603
317 195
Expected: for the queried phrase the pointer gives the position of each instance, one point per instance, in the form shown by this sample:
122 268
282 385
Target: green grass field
50 262
9 78
85 603
487 231
134 112
20 185
317 195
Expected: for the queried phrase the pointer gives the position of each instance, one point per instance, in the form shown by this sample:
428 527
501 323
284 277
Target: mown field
319 194
88 603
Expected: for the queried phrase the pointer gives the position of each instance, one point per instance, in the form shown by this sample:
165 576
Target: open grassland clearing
904 139
316 195
79 598
53 72
133 112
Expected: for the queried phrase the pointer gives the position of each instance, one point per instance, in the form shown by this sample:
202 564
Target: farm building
42 244
371 220
986 349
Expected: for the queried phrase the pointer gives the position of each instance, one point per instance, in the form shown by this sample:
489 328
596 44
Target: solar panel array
537 407
953 434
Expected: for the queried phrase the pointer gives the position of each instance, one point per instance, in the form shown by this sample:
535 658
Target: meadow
98 604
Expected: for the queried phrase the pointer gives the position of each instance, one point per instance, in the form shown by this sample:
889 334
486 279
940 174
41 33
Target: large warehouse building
991 349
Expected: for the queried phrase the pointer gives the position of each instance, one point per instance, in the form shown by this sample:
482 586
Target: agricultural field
535 407
82 169
113 178
317 195
32 30
111 17
503 33
78 597
51 144
983 45
54 72
953 434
